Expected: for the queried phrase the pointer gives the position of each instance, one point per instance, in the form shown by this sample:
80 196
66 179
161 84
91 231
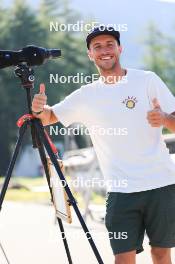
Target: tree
20 26
160 55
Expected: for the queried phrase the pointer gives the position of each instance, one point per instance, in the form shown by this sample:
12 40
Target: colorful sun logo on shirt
130 102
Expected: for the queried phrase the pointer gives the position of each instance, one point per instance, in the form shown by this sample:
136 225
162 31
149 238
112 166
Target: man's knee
126 258
160 254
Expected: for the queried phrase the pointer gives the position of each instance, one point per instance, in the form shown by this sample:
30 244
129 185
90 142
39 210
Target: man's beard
107 67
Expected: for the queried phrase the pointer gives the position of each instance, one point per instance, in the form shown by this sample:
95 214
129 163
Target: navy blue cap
102 30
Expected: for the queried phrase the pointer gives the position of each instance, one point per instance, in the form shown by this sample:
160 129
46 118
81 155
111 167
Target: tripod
42 141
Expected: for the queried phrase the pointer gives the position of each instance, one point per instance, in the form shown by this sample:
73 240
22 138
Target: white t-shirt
132 155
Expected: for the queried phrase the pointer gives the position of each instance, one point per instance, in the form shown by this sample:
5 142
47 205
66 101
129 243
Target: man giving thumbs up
40 109
138 171
158 118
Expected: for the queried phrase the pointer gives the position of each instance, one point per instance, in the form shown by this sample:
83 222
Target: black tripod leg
45 165
5 255
12 163
40 130
64 240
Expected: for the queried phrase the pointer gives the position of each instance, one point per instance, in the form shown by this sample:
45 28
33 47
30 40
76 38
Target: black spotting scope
31 55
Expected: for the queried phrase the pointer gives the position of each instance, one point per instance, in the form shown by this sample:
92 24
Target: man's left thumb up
156 104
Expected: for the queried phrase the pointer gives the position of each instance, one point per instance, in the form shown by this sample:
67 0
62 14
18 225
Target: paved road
29 236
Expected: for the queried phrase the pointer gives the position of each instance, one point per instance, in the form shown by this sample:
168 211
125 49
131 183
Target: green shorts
130 215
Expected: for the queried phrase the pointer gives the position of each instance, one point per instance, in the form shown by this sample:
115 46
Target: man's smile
106 58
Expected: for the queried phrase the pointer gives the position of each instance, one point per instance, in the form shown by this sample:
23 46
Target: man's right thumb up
39 100
42 88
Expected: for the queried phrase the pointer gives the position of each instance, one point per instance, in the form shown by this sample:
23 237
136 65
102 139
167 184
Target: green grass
27 195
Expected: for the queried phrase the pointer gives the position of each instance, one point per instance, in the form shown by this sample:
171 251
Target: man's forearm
169 122
47 117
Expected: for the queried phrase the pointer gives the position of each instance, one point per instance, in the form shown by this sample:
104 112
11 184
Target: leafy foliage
20 25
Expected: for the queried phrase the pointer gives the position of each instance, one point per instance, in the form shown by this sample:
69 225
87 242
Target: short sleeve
70 110
158 89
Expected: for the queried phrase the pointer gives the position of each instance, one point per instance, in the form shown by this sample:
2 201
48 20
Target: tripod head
26 74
